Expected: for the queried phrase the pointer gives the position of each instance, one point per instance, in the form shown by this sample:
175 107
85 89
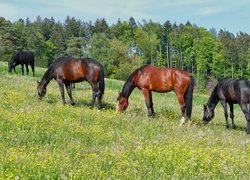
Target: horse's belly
75 79
161 88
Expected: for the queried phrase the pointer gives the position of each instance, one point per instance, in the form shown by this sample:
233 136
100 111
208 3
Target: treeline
127 45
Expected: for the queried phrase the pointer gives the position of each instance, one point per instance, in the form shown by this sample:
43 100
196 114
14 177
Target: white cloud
211 10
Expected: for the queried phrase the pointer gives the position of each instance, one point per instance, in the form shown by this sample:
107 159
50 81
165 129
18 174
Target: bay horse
22 58
67 70
229 91
149 78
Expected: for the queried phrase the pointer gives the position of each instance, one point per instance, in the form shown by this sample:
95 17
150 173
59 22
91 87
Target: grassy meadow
44 139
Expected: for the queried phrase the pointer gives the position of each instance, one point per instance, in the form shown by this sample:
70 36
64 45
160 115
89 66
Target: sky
230 15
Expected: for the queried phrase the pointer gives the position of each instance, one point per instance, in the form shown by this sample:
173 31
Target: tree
98 48
58 39
228 41
7 40
242 42
117 57
75 47
166 46
72 28
101 26
50 51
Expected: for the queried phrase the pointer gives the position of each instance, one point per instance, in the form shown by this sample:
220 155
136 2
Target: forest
126 45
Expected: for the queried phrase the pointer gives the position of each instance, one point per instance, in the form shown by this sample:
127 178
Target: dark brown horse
66 70
22 58
229 91
149 78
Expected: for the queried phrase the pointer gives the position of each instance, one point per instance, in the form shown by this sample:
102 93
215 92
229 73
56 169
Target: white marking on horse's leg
183 120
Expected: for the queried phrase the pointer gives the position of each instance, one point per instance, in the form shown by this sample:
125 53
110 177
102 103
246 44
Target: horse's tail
101 83
189 97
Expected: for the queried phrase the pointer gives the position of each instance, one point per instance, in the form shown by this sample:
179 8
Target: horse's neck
47 77
214 99
128 88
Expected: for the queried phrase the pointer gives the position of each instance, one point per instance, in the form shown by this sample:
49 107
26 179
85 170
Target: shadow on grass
105 105
222 125
169 113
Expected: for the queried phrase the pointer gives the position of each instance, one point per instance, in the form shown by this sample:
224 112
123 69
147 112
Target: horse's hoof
151 116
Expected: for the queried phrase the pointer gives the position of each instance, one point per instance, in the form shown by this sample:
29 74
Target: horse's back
242 88
234 90
24 57
162 79
76 69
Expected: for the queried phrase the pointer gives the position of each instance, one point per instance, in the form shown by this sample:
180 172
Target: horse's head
208 114
122 103
10 65
41 90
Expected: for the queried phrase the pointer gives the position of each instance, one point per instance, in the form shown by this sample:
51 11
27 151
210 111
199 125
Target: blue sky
231 15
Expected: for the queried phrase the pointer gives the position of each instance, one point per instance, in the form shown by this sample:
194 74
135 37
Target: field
43 139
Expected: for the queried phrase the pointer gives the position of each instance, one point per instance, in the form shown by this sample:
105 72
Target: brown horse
66 70
149 78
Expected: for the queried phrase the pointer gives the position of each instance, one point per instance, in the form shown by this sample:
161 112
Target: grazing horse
23 58
150 78
229 91
67 70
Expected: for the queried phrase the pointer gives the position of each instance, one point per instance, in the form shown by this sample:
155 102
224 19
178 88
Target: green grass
47 140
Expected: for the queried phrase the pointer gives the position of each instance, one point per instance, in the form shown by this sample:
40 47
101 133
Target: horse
231 91
68 70
23 58
149 78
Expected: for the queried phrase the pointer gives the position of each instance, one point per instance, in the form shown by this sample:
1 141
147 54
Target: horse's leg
22 69
94 94
60 84
224 105
99 98
246 112
27 68
149 103
69 91
182 105
33 68
231 105
14 69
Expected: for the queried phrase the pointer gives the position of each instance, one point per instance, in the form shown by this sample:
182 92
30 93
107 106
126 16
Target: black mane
129 86
213 100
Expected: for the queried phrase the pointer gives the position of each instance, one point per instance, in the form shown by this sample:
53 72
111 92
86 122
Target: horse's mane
129 86
90 60
213 99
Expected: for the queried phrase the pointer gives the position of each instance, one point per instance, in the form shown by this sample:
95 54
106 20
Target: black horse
229 91
68 70
23 58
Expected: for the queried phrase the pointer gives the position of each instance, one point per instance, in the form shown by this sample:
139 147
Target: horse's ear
38 82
